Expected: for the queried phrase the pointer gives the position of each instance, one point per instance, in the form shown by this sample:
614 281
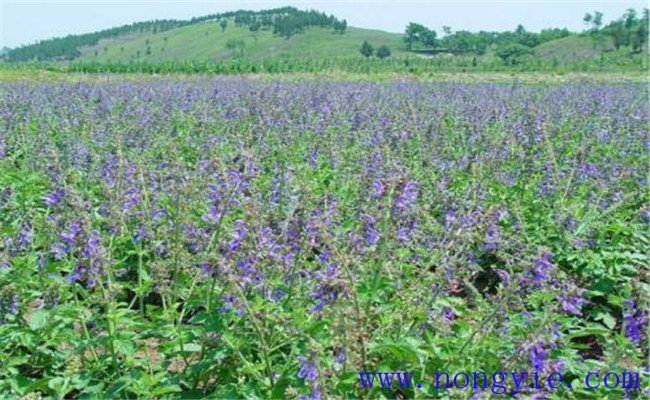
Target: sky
27 21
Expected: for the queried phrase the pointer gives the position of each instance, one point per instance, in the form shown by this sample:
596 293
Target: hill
280 32
208 42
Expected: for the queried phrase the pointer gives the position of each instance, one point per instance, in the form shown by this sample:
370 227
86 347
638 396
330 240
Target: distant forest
284 22
631 29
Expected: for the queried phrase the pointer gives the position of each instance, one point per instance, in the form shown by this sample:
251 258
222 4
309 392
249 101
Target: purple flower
213 215
407 197
53 198
634 321
371 233
308 369
232 302
132 198
75 275
341 355
25 236
537 354
448 314
572 304
378 189
587 170
59 250
541 269
238 236
206 267
70 235
450 218
645 216
92 251
403 235
141 233
277 295
505 277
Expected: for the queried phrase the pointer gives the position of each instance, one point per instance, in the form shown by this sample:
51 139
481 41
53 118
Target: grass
35 74
572 48
206 42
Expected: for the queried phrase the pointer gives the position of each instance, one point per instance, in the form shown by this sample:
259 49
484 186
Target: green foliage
563 177
361 65
419 35
340 26
294 22
382 52
237 46
366 49
513 53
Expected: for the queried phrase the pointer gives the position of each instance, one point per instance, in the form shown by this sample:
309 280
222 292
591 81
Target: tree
595 20
416 33
413 34
366 49
254 27
618 34
640 36
520 30
630 18
512 53
429 38
223 23
340 27
383 52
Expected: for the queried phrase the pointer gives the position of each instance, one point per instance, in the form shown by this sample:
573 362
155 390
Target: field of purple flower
235 238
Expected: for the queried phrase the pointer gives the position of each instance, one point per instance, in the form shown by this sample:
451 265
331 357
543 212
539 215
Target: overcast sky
27 21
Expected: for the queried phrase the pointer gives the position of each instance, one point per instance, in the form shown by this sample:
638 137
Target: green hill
268 34
276 35
573 48
207 42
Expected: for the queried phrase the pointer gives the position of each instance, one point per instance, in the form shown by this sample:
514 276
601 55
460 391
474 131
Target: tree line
67 48
628 30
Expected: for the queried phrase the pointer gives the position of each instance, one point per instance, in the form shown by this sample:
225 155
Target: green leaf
38 319
166 390
594 330
124 347
607 319
189 347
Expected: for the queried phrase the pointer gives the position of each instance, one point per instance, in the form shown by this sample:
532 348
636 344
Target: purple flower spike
407 197
53 198
635 321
